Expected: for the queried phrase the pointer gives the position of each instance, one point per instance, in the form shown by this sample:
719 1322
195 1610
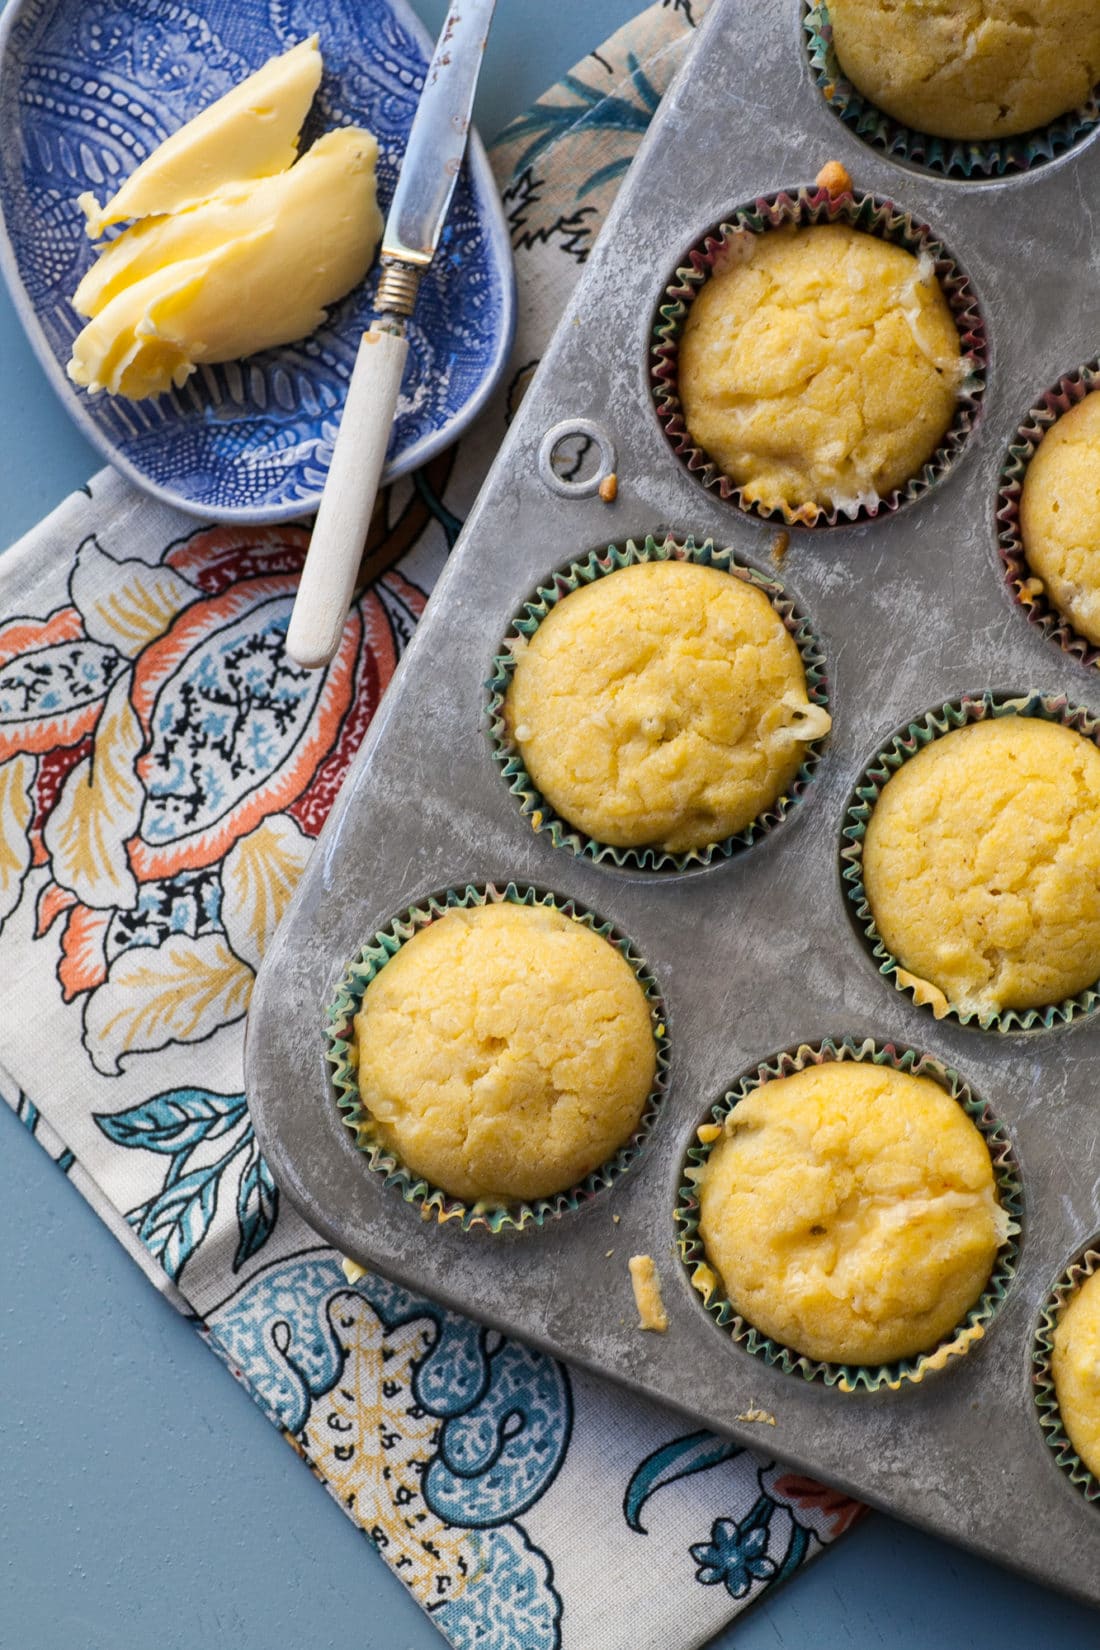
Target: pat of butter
251 132
236 249
255 266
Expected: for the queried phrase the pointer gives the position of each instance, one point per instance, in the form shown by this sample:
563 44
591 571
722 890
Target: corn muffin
850 1212
1060 515
971 69
1075 1365
504 1052
982 865
819 367
662 705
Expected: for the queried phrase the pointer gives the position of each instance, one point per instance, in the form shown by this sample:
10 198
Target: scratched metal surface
757 954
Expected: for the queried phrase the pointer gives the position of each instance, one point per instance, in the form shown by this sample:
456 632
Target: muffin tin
757 954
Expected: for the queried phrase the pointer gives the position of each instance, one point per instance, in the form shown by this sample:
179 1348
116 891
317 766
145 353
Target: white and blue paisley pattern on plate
88 88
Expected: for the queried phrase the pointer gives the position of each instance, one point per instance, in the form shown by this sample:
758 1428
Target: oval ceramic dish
88 90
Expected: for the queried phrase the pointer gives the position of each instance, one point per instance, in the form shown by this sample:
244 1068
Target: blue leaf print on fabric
456 1372
257 1208
544 123
27 1112
182 1124
318 1355
500 1456
175 1223
175 1121
513 1605
737 1554
683 1456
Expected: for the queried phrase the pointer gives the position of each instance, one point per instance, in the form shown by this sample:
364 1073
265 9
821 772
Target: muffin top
1075 1365
819 367
663 705
982 865
850 1212
1060 515
504 1052
969 68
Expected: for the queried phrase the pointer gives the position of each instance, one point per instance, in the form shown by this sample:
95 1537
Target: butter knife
429 172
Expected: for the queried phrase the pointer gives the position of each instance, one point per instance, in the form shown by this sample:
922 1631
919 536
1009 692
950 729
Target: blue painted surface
120 1525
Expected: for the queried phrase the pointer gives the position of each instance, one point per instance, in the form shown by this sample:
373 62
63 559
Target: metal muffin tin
757 954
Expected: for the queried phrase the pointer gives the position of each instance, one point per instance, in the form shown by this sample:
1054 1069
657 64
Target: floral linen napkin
164 770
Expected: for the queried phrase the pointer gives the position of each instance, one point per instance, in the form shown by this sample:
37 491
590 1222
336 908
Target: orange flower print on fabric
838 1512
164 768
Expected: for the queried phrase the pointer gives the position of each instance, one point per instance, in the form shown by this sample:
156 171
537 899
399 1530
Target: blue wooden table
143 1499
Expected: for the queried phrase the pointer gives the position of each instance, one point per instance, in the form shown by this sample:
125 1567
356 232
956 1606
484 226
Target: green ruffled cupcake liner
535 808
852 1377
816 206
430 1201
1027 591
951 157
904 744
1046 1397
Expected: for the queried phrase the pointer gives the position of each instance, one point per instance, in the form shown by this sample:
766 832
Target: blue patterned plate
87 89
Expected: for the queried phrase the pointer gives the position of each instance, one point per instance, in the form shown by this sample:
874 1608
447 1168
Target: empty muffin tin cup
951 157
802 207
1046 1397
958 713
534 807
852 1377
432 1202
1027 590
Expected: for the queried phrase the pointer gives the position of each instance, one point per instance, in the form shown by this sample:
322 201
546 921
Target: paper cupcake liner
816 206
430 1201
904 744
1046 1397
1028 591
951 157
853 1377
535 808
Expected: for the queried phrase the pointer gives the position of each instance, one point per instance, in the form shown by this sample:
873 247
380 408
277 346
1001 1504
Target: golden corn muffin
850 1212
662 705
969 68
1075 1365
820 367
982 865
504 1052
1060 515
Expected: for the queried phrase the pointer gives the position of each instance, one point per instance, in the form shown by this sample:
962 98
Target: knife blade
437 137
426 182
